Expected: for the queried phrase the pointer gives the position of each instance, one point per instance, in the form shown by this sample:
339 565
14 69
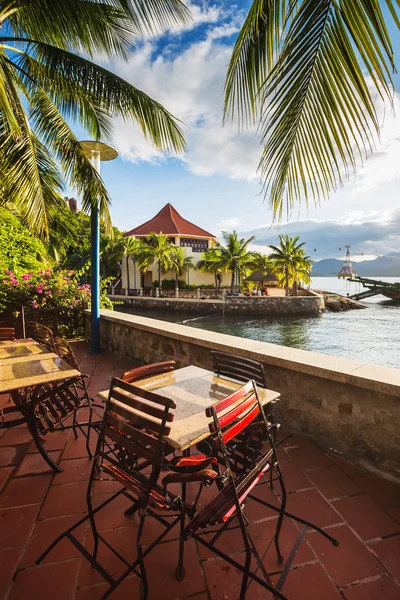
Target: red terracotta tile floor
360 509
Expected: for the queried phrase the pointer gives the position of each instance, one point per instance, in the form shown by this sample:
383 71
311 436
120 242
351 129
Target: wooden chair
135 424
231 417
148 371
7 334
41 334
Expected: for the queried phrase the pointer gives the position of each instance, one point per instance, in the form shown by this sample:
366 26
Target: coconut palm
230 256
210 263
46 85
133 248
298 70
289 260
158 248
180 263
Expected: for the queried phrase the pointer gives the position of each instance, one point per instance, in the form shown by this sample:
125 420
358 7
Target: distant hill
383 266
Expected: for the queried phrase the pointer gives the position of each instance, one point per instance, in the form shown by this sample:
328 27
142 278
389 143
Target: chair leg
245 578
281 513
140 557
39 443
92 522
180 570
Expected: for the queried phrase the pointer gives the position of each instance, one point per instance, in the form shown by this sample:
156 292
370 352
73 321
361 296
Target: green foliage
20 251
159 249
46 85
298 69
290 262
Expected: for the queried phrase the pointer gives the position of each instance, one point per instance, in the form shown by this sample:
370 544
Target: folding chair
230 417
41 334
7 334
149 371
132 440
247 446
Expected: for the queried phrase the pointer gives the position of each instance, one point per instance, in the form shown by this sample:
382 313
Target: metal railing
63 321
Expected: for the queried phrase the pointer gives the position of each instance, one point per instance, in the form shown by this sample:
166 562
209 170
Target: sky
215 183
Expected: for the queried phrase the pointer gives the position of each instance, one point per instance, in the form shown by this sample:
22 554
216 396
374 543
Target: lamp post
236 257
97 152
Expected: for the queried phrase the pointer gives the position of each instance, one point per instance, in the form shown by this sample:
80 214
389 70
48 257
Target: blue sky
215 184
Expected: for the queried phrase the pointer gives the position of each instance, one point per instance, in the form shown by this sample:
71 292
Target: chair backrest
42 334
7 334
135 423
237 367
64 351
231 416
149 371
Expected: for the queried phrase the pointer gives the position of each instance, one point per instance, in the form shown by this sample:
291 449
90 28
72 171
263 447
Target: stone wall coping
344 370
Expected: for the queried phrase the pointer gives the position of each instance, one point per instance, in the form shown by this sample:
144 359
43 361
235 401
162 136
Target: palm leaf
63 75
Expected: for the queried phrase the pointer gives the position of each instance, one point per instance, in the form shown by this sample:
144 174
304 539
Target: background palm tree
210 263
46 84
289 260
298 70
221 257
180 263
133 248
159 249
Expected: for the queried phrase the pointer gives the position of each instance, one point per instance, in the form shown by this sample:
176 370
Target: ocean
370 335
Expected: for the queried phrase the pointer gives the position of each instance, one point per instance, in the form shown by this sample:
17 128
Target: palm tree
133 248
46 85
210 263
157 248
231 256
180 263
289 260
297 69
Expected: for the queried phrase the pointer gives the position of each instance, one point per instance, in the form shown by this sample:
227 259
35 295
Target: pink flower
27 276
48 292
35 304
39 288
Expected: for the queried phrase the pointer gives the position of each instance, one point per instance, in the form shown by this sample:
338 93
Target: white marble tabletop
20 371
193 389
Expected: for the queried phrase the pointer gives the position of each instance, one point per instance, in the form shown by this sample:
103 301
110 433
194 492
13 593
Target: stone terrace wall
344 404
308 305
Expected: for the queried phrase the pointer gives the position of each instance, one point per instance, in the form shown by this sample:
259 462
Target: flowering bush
46 289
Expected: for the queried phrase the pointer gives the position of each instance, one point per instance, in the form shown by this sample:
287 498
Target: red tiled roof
169 222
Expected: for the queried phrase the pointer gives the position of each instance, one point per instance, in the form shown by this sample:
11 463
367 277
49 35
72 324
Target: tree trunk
159 276
286 281
127 273
295 287
233 281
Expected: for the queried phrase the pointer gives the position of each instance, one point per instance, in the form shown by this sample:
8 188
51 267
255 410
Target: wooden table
193 389
26 364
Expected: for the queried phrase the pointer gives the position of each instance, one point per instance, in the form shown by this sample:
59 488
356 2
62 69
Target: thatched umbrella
261 277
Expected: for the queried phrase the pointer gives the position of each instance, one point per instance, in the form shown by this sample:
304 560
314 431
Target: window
195 245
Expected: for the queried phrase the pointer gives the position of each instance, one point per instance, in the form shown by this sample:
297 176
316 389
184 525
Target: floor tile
293 478
34 464
367 519
161 565
44 533
346 466
350 561
332 482
309 583
76 448
25 490
309 456
16 525
14 436
388 552
9 560
311 506
50 581
130 589
74 470
63 500
384 493
382 589
224 581
12 455
53 441
394 513
5 473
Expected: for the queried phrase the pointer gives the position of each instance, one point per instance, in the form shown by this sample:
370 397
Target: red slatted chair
131 441
149 371
231 417
7 334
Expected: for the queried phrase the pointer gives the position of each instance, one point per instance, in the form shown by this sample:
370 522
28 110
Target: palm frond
63 75
253 57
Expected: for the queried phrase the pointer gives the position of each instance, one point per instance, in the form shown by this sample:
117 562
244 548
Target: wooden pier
375 288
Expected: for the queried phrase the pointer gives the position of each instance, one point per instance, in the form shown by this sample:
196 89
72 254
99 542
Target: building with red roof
190 237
